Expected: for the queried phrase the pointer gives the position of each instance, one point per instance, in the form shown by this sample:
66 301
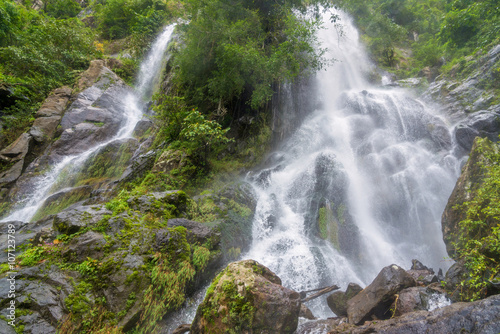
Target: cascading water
46 185
360 185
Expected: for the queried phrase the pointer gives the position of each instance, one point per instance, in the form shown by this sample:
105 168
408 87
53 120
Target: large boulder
376 299
465 189
247 298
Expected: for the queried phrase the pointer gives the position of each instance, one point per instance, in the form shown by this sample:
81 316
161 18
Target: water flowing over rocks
247 298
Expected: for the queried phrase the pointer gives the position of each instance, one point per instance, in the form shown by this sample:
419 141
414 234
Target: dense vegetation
479 234
408 35
234 57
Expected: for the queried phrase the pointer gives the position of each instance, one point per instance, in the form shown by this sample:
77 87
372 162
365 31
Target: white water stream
377 159
150 71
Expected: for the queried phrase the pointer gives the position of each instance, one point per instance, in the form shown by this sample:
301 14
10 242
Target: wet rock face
247 298
376 299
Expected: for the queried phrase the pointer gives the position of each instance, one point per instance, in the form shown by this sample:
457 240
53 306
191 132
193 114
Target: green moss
322 223
201 255
328 224
78 302
61 203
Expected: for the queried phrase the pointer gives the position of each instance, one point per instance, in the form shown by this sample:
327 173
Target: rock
72 220
467 184
480 317
5 328
15 154
55 103
337 301
421 274
169 160
454 276
417 265
460 98
34 323
49 115
247 298
156 202
305 312
96 114
44 128
61 200
139 166
87 245
196 232
320 326
184 328
24 233
484 123
106 164
376 299
142 128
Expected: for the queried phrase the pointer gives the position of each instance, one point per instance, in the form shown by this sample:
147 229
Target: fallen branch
320 292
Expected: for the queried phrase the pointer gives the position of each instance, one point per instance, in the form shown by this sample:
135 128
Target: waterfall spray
361 184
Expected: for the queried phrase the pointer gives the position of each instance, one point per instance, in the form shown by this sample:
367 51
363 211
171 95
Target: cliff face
465 190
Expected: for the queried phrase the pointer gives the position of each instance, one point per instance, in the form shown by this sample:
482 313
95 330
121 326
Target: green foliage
62 9
236 50
435 30
479 241
121 18
37 54
32 256
169 277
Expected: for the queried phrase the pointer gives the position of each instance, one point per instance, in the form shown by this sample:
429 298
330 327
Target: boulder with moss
247 298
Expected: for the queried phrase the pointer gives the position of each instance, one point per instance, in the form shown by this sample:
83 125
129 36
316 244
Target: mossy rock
247 298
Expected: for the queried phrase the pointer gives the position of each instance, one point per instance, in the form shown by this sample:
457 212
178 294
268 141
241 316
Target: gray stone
5 328
72 220
55 103
89 244
44 128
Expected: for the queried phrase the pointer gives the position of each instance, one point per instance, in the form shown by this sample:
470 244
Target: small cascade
361 184
133 105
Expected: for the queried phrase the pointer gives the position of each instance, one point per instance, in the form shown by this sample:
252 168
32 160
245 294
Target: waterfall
361 184
149 72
